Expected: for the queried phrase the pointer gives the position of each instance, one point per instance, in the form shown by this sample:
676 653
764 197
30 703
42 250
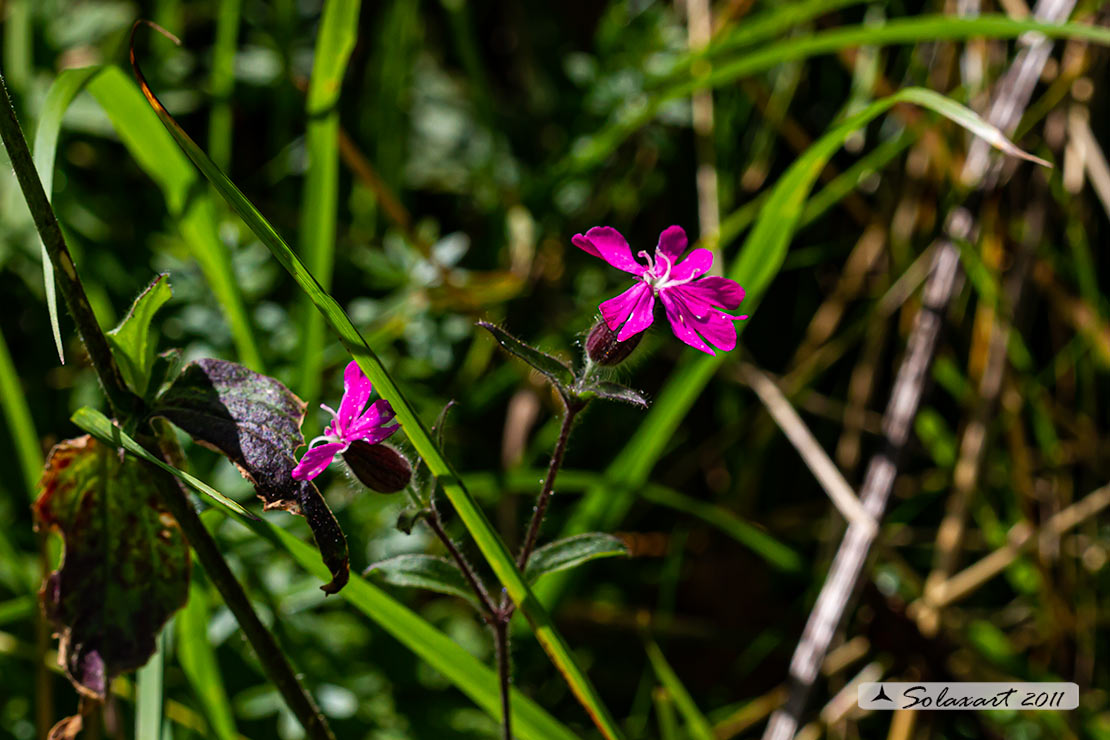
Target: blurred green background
475 141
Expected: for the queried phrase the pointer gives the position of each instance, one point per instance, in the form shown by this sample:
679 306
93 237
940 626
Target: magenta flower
351 424
693 303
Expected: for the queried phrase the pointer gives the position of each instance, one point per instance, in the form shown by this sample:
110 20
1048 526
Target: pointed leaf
572 552
557 371
132 343
126 563
62 91
423 571
616 392
256 422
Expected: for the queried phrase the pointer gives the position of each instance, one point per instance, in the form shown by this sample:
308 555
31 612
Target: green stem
435 523
274 663
123 402
572 409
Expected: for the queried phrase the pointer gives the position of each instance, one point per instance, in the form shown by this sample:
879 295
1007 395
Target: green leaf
256 422
101 427
471 676
423 571
198 662
615 392
472 516
697 725
572 552
557 371
61 93
126 563
334 43
132 342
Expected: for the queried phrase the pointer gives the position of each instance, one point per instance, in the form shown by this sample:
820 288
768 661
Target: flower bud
603 347
379 467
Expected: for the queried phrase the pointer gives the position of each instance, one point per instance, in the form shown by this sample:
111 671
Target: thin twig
832 603
1021 538
844 573
814 456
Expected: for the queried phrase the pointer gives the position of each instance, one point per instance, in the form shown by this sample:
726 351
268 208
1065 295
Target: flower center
332 432
658 273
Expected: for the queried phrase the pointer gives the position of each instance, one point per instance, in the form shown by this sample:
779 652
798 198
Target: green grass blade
186 200
61 93
473 678
472 516
594 150
198 662
101 427
148 699
775 553
336 39
698 727
222 81
20 424
757 264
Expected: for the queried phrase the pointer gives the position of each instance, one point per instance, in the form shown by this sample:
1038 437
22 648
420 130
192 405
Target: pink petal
315 460
680 324
694 265
616 310
642 315
356 392
716 291
613 248
367 425
712 324
585 245
672 242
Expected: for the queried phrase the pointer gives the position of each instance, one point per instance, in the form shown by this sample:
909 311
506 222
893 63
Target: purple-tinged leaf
256 422
126 563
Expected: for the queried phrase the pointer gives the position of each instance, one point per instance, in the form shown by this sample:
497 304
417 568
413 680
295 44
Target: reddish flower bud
603 347
379 467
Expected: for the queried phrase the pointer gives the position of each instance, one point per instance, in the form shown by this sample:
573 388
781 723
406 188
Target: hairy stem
436 524
572 409
501 641
122 400
274 663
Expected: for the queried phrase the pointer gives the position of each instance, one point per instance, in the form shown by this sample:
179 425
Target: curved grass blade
148 693
336 39
186 198
774 553
101 427
20 423
441 652
472 516
757 264
198 662
61 93
223 80
596 148
698 727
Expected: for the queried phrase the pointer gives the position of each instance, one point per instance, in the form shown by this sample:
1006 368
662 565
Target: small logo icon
881 696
